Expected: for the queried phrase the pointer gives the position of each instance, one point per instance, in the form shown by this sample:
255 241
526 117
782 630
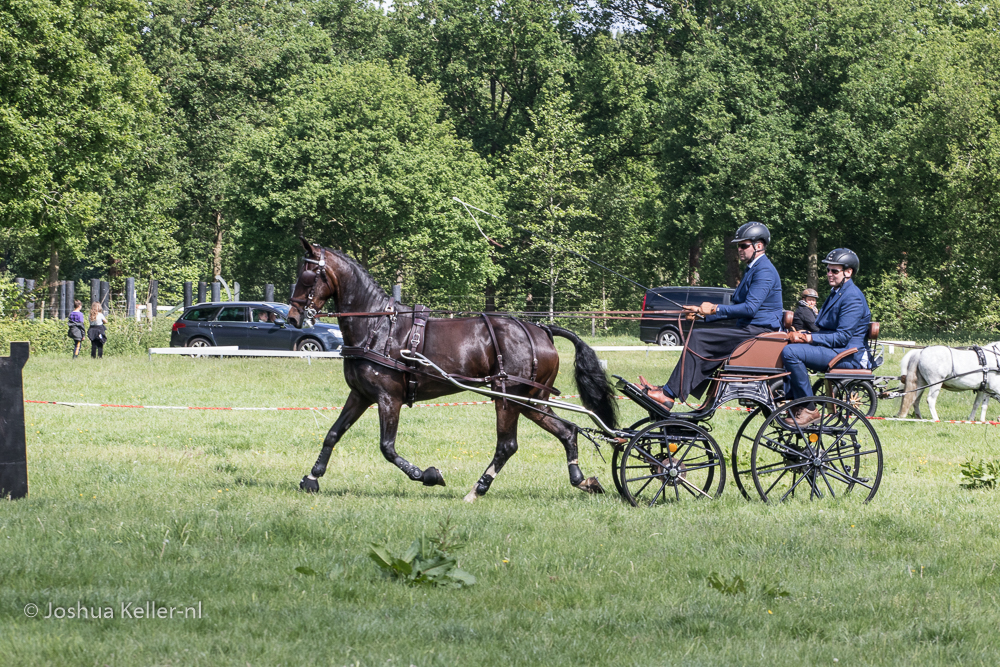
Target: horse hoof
471 497
309 485
591 485
432 477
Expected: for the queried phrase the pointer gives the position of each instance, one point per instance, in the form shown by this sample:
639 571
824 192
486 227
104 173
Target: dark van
662 329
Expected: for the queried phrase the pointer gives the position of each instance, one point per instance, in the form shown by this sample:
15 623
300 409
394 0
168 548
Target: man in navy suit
756 306
843 323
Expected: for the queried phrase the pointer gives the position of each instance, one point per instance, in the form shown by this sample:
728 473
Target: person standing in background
97 332
76 327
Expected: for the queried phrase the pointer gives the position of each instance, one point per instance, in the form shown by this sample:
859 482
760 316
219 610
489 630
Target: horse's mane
368 287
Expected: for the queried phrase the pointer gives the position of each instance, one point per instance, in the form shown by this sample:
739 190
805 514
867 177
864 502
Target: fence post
397 292
95 290
236 291
201 291
216 294
187 293
291 292
154 293
70 296
29 285
62 300
105 296
269 292
20 285
130 297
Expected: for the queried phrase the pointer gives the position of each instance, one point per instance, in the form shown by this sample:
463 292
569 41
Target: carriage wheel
818 388
740 459
671 460
616 455
831 456
861 395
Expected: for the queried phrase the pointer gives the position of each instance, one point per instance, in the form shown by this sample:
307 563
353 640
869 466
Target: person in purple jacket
756 306
76 330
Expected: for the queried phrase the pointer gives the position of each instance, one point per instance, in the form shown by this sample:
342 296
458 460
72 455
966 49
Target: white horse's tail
909 378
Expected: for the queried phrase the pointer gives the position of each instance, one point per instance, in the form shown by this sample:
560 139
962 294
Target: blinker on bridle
308 278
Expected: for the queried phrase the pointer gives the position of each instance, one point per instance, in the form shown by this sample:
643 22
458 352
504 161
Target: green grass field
202 507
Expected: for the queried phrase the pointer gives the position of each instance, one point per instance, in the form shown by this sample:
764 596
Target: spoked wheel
616 455
671 460
831 456
861 395
742 444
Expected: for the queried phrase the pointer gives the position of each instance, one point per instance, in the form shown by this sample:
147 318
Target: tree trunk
733 273
217 247
552 290
694 261
812 261
491 295
53 280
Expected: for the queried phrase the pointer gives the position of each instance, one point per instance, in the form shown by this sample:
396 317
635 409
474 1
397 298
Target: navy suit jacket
757 299
843 322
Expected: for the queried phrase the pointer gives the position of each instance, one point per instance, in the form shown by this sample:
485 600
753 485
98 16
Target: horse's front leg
388 414
982 398
545 418
354 407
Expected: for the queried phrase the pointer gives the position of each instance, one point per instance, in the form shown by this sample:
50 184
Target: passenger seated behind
756 306
804 318
842 324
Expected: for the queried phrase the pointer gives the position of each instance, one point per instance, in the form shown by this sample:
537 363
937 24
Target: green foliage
74 95
125 336
426 562
979 474
356 157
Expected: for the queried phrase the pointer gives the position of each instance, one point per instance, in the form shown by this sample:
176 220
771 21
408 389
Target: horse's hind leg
506 448
353 408
388 414
545 418
932 396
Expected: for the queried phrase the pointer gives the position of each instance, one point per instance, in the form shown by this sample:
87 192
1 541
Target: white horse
939 367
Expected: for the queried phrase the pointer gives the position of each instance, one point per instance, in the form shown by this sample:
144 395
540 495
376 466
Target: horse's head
316 284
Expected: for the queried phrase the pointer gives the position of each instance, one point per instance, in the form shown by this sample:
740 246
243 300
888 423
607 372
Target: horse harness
984 386
416 337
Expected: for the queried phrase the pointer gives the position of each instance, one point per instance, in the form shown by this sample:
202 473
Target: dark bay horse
460 346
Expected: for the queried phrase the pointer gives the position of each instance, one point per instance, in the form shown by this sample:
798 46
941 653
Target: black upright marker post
13 451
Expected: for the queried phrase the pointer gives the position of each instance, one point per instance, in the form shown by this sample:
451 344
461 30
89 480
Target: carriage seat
870 339
758 355
787 318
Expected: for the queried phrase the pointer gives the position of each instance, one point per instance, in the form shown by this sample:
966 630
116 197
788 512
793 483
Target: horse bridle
306 305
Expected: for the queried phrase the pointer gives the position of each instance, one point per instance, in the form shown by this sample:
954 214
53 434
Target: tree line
183 139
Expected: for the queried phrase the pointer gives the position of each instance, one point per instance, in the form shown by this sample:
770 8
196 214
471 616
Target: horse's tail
596 392
908 374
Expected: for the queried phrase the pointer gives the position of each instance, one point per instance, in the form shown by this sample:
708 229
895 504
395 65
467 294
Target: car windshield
281 308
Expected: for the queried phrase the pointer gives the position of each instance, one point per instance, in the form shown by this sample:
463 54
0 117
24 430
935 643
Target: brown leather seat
873 331
763 351
787 317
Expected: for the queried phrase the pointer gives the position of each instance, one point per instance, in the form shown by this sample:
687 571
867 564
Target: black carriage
671 456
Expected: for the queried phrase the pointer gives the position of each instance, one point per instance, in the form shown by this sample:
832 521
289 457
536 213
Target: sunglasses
835 272
744 246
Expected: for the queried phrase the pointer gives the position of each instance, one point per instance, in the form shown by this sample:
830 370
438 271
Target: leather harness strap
416 339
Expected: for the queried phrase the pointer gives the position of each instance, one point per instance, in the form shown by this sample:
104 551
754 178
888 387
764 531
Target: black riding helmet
844 257
753 232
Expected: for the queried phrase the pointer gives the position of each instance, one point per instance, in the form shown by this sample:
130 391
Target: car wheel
668 337
199 342
309 345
